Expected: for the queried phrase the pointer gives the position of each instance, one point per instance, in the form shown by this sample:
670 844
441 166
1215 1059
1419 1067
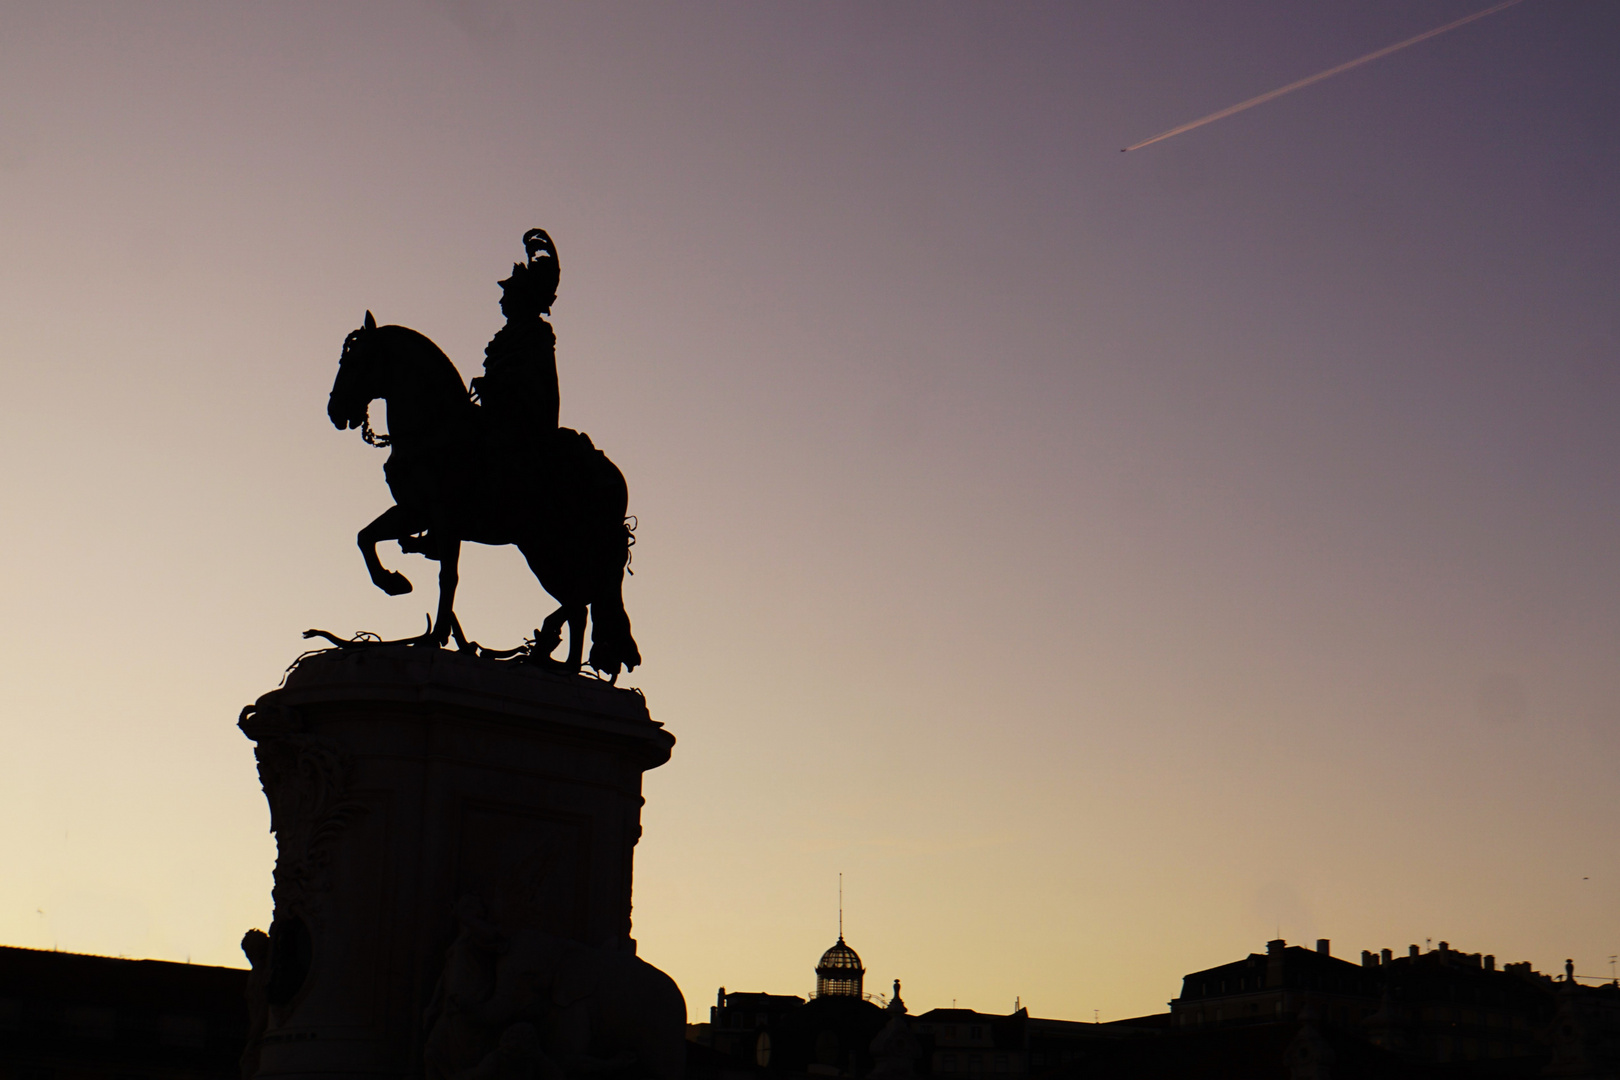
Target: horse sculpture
564 507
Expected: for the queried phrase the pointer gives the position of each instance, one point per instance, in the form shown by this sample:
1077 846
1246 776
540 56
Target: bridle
371 437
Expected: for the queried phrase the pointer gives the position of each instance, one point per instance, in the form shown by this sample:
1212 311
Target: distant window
92 1023
947 1063
182 1031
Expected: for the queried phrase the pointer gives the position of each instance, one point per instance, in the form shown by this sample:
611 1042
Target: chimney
1387 955
1445 946
1412 951
1273 948
1322 947
1490 962
1368 958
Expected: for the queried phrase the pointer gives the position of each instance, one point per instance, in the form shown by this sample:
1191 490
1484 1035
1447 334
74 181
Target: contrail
1319 76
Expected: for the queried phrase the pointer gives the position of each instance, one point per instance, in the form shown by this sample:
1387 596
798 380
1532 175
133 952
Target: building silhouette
736 1022
1441 1006
65 1016
831 1034
961 1042
1289 1013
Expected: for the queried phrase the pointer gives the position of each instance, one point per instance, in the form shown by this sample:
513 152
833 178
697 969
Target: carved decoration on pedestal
524 1003
453 878
305 779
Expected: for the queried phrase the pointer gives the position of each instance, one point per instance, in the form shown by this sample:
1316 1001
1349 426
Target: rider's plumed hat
533 284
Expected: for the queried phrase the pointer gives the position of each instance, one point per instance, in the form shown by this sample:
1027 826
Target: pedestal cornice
407 679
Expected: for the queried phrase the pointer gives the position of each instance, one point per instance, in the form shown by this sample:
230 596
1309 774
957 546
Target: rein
379 441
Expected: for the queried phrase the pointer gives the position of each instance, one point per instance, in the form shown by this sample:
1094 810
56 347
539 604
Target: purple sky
1106 561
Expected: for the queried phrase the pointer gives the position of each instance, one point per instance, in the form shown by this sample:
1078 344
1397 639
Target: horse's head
357 384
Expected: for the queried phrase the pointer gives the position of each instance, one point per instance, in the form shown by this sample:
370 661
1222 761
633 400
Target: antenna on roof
840 907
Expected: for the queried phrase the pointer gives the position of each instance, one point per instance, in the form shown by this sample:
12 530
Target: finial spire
840 907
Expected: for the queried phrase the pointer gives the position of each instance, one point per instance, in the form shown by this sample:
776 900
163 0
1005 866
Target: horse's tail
607 534
612 644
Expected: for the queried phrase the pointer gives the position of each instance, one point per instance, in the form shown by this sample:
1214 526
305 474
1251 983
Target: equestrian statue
491 466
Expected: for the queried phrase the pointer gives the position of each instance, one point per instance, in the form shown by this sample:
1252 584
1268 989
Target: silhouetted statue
518 390
500 472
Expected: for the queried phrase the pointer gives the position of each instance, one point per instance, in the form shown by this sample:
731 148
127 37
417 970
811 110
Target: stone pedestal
404 782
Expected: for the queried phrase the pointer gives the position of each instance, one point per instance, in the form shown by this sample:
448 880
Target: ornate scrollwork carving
306 779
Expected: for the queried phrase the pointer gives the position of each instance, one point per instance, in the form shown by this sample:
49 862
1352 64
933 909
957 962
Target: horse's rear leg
576 635
612 645
449 562
549 636
391 524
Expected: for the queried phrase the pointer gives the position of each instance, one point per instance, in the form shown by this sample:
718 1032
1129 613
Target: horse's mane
417 351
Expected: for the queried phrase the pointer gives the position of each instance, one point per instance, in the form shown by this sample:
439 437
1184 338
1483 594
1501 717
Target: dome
840 973
840 958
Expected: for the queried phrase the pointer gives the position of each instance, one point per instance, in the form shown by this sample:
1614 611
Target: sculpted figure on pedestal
496 471
526 1004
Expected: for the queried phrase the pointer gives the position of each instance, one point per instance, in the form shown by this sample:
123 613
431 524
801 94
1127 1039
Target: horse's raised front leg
391 524
449 558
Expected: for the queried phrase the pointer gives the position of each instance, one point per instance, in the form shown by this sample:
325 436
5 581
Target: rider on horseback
518 391
501 472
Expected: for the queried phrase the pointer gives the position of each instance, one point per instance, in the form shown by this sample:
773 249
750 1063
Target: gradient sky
1106 561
